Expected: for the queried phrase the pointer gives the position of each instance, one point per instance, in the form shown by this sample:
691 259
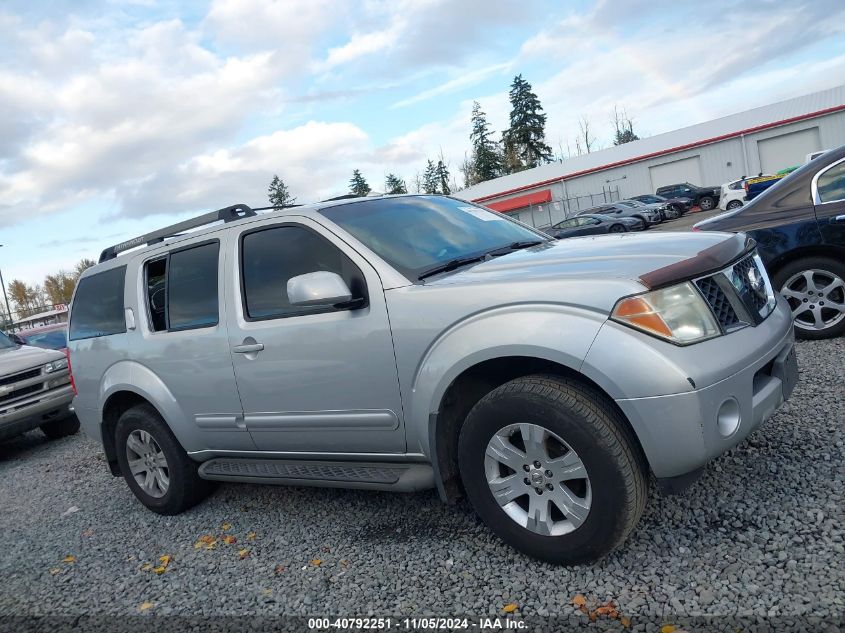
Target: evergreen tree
525 139
486 154
429 179
442 175
394 184
278 193
358 185
624 127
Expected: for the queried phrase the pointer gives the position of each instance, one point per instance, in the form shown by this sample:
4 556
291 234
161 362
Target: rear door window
182 290
831 184
98 305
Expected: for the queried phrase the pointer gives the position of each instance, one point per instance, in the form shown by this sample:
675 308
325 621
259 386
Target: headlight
677 314
56 365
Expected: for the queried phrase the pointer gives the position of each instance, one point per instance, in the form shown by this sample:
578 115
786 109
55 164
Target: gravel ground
760 534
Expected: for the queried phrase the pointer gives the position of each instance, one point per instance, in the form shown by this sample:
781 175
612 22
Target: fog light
728 417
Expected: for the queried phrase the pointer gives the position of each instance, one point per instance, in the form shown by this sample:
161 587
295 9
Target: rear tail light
70 373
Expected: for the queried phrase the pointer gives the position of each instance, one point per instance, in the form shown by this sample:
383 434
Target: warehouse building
765 139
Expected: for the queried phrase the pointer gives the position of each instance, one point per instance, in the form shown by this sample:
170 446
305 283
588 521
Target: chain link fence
559 209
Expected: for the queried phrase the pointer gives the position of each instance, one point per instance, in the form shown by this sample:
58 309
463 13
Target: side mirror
320 288
17 339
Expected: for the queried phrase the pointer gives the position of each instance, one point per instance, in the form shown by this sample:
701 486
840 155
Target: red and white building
765 139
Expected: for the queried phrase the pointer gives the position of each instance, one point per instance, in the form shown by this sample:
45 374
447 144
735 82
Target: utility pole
5 296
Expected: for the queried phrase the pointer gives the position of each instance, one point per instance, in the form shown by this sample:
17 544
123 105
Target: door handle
248 348
839 218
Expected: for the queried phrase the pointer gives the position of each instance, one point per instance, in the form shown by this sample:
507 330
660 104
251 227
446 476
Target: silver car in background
409 342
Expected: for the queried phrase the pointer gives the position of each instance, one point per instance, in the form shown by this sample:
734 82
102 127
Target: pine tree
442 173
358 185
624 127
486 153
429 179
393 184
278 193
524 141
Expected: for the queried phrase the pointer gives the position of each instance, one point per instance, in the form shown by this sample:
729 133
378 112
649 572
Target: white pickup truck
35 391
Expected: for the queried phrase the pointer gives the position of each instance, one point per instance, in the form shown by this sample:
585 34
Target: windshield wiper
515 246
452 264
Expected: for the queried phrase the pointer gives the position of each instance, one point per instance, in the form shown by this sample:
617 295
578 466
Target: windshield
627 204
6 342
417 233
53 339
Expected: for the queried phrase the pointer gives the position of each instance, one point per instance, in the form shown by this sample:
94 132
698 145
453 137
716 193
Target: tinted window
54 339
566 224
831 184
418 233
6 342
192 287
270 257
98 305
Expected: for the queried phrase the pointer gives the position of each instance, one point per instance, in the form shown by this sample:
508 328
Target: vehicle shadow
22 446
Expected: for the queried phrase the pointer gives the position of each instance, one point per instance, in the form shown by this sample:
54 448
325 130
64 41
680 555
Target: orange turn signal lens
639 313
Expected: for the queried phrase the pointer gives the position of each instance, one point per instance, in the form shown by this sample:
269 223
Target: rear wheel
814 287
551 468
706 203
155 466
617 228
734 204
61 428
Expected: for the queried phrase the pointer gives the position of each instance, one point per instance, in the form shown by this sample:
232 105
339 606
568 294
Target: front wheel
154 464
617 228
814 287
550 467
706 203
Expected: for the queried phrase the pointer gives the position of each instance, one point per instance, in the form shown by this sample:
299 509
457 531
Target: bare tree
587 141
623 126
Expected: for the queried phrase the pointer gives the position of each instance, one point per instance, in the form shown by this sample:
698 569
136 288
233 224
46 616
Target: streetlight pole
5 296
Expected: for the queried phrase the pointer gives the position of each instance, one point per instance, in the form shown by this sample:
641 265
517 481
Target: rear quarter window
97 308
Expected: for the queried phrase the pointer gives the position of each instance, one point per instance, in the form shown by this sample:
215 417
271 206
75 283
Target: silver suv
35 391
410 342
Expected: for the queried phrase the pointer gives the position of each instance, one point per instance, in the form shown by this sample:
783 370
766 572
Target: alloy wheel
538 479
147 463
816 297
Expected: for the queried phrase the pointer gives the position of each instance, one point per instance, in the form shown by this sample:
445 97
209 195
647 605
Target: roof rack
227 214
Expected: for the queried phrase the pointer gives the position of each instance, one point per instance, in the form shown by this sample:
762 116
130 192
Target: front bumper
33 412
681 432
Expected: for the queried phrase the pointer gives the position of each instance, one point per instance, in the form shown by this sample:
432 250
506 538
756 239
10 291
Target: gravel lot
760 534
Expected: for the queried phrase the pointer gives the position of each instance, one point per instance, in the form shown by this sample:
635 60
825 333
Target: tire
643 220
616 228
791 281
706 203
184 487
734 204
61 428
583 420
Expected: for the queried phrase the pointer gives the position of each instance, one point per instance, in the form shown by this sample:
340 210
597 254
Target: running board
331 474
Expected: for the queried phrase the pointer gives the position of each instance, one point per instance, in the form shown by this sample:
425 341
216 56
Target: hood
650 260
24 357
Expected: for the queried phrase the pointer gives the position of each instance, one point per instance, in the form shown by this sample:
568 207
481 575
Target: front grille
718 302
20 393
752 297
24 375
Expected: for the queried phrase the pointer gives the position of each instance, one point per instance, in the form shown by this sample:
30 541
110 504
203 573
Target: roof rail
227 214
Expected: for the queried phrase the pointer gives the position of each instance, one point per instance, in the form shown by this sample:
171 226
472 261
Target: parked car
666 211
757 185
274 360
799 227
35 391
593 224
732 195
705 198
681 204
49 337
647 215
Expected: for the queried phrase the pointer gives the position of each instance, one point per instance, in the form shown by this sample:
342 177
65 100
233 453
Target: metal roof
773 115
